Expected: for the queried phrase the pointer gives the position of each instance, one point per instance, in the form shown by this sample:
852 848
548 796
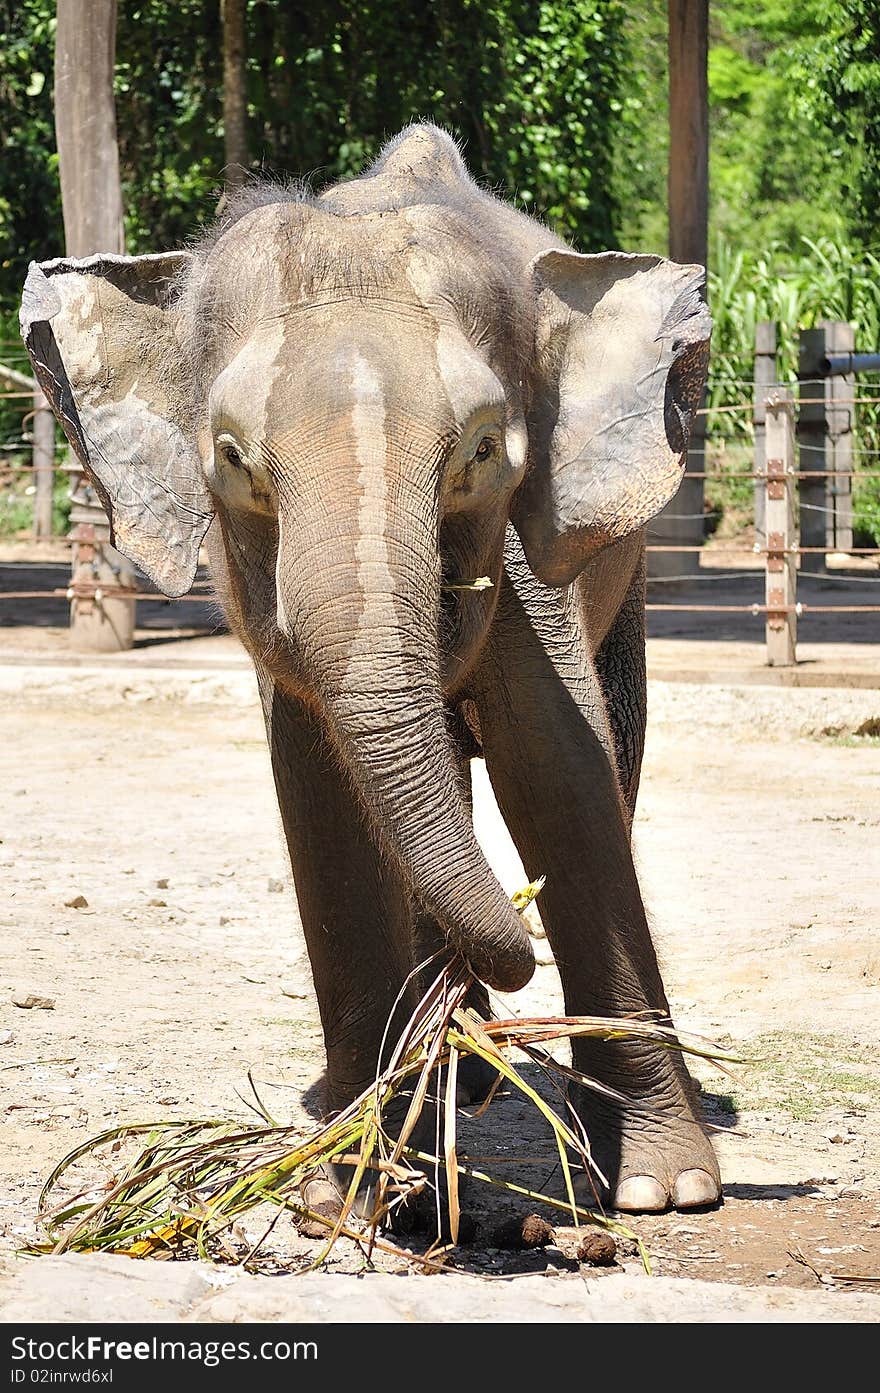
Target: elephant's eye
233 457
484 449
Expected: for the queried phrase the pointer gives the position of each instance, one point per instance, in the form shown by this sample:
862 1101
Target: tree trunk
91 200
681 521
85 126
235 91
688 130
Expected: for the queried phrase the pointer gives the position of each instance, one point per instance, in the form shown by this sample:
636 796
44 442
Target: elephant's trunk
359 596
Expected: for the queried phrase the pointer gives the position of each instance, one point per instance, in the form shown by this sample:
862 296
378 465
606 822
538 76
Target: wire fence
783 553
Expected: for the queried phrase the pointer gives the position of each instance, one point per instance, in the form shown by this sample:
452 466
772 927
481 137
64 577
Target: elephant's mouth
470 580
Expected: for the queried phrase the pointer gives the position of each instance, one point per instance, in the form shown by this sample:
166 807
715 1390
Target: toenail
694 1189
641 1194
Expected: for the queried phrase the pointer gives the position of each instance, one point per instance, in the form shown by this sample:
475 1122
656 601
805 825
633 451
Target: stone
32 1001
100 1288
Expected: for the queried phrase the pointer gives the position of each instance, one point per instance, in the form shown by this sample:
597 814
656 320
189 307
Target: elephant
362 401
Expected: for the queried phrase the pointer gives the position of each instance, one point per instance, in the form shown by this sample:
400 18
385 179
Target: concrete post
765 377
43 464
824 433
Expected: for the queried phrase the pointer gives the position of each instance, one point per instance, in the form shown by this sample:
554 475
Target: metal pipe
839 364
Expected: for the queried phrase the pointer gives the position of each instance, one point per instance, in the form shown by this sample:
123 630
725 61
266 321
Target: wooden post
688 182
683 521
43 435
235 91
91 198
825 422
765 377
781 583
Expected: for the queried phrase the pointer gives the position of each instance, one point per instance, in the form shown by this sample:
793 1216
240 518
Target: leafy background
561 105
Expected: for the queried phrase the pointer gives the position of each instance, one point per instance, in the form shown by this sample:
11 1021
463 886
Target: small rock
78 902
519 1234
158 904
31 1001
6 1037
851 1192
296 993
162 884
224 919
597 1249
835 1138
275 887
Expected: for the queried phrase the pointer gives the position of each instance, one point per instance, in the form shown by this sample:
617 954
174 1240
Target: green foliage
827 280
17 498
562 106
30 199
169 90
641 158
794 110
531 89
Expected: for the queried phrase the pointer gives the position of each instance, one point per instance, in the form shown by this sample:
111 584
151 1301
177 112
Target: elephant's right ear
103 336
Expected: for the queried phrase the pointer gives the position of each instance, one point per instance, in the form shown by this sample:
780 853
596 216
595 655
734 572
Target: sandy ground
149 794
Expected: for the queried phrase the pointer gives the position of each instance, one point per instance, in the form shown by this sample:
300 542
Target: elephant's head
363 389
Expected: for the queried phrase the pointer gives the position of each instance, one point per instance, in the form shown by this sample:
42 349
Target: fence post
781 548
840 391
824 433
765 377
99 623
43 464
682 522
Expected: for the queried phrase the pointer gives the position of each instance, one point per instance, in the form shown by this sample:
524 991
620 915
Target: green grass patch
804 1075
865 735
852 741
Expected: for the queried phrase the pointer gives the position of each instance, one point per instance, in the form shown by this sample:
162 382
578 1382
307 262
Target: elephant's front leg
355 911
548 752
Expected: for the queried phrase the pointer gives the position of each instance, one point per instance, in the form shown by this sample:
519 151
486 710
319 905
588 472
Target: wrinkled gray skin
399 384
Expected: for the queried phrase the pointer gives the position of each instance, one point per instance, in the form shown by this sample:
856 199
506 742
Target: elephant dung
519 1234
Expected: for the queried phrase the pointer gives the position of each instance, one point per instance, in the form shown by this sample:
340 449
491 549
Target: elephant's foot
655 1157
324 1194
323 1198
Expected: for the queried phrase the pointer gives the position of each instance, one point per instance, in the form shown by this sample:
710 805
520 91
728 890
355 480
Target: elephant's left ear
622 347
103 336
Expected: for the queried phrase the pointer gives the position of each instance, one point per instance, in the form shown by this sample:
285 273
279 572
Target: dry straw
192 1181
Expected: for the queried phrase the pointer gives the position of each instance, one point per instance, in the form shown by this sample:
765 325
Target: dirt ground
148 792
